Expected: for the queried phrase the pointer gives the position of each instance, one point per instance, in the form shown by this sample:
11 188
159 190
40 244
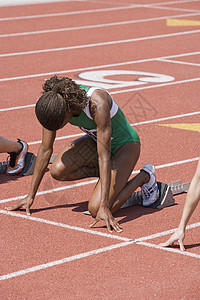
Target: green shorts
129 136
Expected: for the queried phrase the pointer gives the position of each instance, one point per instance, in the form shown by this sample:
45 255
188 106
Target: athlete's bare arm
100 109
192 199
42 160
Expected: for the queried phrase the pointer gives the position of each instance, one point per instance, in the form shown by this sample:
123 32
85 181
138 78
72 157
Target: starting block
165 198
29 164
177 187
3 167
166 193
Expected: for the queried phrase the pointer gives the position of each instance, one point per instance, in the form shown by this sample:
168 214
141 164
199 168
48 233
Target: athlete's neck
77 113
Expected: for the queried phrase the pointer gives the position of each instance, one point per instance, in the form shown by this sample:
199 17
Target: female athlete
109 150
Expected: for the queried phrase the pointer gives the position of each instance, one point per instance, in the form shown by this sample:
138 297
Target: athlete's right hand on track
105 215
25 203
177 236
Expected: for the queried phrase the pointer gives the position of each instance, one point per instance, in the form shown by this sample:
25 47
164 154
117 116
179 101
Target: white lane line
126 242
174 8
98 233
157 85
177 163
66 187
88 254
167 118
179 62
101 66
160 234
68 13
118 92
64 260
40 220
133 124
101 44
74 136
53 30
17 107
170 249
181 55
173 2
3 3
28 2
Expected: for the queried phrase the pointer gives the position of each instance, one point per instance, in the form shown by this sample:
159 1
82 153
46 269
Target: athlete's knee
93 209
58 172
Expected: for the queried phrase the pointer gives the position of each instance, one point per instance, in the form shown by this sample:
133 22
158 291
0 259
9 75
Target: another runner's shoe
150 192
17 159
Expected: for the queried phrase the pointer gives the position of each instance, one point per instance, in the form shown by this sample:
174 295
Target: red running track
54 254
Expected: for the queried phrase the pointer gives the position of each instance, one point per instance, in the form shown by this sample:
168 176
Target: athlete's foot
149 190
17 160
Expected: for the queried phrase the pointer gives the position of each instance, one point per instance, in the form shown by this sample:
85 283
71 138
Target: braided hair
59 96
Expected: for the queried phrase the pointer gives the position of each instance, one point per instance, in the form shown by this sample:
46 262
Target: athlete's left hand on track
105 215
26 203
177 236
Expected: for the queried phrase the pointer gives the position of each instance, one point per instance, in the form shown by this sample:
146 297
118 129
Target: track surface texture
151 69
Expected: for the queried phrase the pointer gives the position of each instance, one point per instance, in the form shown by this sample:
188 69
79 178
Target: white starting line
126 242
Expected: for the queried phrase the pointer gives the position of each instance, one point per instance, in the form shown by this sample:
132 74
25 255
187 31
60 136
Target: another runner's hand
26 203
105 215
177 236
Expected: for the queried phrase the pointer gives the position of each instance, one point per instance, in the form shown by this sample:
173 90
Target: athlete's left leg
9 146
123 163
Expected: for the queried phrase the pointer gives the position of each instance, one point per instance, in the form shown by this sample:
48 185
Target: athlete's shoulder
101 97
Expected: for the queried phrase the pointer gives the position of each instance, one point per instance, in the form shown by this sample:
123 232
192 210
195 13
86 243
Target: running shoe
17 159
149 190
